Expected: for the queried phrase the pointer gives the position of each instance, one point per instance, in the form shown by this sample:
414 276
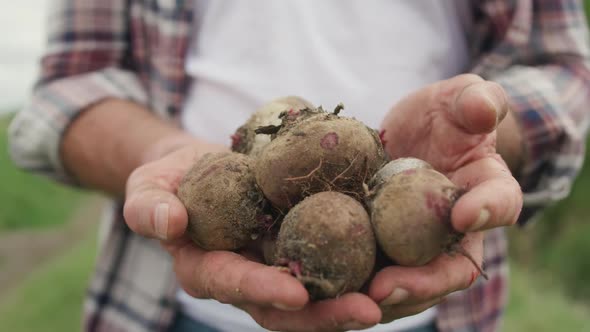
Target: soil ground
21 251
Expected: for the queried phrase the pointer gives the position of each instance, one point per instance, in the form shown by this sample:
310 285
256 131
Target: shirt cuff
35 133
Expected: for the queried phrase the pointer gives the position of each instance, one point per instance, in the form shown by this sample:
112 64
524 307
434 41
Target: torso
367 55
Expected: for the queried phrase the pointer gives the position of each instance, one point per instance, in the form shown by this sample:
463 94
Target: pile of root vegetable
314 191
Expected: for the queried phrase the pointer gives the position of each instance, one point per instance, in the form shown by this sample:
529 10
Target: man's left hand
452 125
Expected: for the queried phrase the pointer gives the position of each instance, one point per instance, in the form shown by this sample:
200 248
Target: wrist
167 144
195 147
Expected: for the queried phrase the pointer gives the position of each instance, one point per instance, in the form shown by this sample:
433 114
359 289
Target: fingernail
482 219
284 307
353 325
161 220
398 295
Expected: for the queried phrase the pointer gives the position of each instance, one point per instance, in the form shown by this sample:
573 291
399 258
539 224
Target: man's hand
452 125
276 300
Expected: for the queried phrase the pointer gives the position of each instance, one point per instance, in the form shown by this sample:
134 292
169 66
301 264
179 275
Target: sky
22 25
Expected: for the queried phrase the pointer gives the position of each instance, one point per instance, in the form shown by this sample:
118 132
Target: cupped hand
275 299
452 125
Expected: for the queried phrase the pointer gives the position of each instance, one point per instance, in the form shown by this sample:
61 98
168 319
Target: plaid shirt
133 49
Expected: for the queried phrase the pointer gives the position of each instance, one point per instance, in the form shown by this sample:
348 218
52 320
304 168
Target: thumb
478 106
153 211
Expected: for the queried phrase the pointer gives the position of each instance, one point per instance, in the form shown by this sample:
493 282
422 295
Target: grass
552 259
50 299
539 306
557 244
30 201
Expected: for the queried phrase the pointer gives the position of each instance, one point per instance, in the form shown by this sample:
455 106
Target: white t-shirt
366 54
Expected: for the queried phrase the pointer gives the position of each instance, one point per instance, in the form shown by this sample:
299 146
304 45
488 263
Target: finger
151 209
352 311
231 278
393 312
443 275
493 199
478 106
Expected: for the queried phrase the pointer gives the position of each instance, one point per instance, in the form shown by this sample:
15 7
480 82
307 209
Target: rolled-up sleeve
541 58
82 65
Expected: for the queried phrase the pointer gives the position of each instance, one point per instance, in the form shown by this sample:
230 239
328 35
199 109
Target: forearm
106 142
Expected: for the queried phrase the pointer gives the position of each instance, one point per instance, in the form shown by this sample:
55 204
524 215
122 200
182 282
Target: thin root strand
345 170
304 177
460 250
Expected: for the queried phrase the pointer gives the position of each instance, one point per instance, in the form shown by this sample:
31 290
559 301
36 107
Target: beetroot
321 152
395 167
326 241
225 207
247 141
411 214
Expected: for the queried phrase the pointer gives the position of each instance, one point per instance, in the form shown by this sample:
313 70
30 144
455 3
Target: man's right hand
275 299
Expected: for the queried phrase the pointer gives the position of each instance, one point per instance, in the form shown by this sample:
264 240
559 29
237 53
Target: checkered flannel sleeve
82 65
539 53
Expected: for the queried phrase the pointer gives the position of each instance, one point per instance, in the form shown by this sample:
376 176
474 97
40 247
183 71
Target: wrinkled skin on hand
275 299
452 125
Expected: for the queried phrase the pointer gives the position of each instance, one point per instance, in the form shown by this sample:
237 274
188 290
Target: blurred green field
550 264
539 306
550 260
558 245
43 203
50 298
